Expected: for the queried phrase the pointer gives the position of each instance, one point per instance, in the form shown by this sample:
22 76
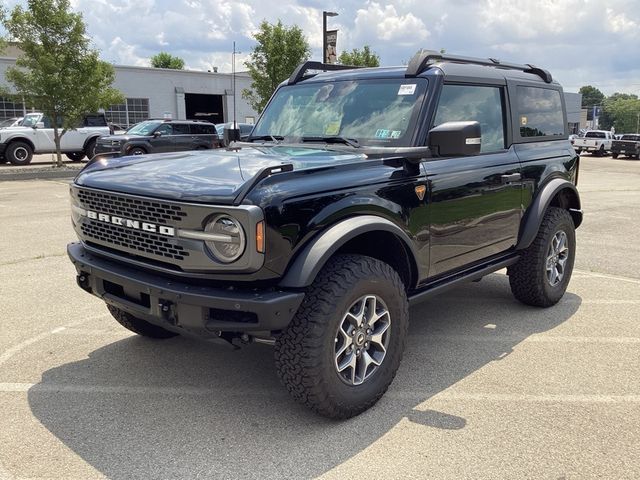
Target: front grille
131 208
134 239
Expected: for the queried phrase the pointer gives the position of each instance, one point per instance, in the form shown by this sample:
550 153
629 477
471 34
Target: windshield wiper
271 138
352 142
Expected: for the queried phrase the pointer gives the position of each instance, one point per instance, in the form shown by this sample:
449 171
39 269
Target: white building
161 93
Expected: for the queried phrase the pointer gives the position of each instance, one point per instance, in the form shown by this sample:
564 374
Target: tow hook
83 281
167 311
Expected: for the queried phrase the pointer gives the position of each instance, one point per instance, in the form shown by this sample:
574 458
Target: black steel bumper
181 307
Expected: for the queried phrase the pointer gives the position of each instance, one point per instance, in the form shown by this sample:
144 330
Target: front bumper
180 307
114 151
3 147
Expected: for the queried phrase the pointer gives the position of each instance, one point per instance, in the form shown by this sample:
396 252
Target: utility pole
324 33
638 123
233 80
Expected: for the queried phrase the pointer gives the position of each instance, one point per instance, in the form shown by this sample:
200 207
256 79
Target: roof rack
426 58
299 73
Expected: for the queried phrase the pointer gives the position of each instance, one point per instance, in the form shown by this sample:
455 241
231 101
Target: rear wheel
601 152
343 348
19 153
75 156
542 274
139 326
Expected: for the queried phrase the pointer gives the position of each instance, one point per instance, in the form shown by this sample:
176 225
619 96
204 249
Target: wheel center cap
359 339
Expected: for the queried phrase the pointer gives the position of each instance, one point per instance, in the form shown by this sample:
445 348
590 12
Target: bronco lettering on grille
135 224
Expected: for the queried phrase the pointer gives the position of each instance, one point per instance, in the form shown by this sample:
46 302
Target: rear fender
557 192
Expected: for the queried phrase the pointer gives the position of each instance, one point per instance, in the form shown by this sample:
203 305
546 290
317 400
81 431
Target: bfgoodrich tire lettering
305 352
532 279
139 326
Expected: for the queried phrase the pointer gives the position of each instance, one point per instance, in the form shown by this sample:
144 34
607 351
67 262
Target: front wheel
542 274
139 326
342 349
137 151
19 153
90 148
614 155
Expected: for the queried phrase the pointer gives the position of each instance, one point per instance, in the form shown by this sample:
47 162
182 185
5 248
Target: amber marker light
260 237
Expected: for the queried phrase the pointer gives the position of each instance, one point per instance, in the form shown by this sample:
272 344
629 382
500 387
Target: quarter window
461 103
539 112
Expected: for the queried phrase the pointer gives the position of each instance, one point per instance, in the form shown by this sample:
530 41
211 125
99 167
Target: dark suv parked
157 136
358 193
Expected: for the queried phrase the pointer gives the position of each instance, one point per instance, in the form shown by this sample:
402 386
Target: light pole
638 123
233 81
324 33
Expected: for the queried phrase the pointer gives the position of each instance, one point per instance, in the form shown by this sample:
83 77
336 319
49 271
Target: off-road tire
75 156
90 148
136 151
19 153
527 278
600 152
139 326
614 155
304 352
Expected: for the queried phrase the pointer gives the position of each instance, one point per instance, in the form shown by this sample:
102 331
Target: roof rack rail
299 73
425 58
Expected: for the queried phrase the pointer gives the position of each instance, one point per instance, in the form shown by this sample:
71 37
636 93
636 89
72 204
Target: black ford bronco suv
358 193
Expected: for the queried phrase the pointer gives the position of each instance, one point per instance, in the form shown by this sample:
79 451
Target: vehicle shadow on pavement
141 408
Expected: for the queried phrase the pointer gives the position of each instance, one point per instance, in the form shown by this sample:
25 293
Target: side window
180 129
539 112
202 129
164 129
460 103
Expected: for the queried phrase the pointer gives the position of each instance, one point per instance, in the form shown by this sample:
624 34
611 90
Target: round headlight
229 245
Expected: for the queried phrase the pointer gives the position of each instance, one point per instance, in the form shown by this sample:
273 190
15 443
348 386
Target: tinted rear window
633 138
95 121
539 112
202 129
180 129
595 135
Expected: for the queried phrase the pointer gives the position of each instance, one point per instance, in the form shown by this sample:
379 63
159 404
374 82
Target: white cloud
388 25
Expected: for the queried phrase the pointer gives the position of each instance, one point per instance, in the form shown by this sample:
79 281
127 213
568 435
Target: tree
58 72
279 51
591 96
621 111
166 60
360 58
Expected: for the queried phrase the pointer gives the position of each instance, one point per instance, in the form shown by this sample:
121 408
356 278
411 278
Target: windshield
143 128
376 112
633 138
30 120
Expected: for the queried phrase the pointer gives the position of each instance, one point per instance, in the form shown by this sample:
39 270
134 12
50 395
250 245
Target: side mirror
39 125
455 139
231 135
157 134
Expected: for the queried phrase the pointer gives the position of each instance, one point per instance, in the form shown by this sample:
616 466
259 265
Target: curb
39 174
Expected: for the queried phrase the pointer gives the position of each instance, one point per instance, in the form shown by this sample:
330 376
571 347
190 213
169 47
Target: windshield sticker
396 134
407 89
381 133
332 128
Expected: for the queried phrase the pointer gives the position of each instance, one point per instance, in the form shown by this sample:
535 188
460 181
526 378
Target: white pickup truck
35 135
597 141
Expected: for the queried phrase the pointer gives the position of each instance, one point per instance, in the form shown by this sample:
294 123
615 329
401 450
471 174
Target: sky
581 42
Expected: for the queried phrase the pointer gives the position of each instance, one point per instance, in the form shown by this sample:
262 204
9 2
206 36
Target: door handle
514 177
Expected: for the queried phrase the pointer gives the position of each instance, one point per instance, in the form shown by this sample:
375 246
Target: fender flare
89 139
20 139
535 214
310 260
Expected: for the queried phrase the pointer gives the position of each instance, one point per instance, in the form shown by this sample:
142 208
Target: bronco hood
213 176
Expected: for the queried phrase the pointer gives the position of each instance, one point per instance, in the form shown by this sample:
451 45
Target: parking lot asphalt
488 388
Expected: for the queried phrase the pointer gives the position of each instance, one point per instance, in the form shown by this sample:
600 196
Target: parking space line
132 389
585 273
526 338
544 398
